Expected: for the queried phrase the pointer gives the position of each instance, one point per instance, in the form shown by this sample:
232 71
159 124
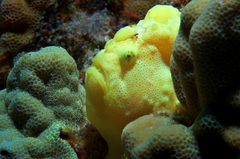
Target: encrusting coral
182 62
43 95
207 73
44 83
131 77
138 8
153 136
19 19
214 39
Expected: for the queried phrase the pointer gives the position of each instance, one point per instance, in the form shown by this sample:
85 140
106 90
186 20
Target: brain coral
43 95
182 62
130 77
198 62
205 66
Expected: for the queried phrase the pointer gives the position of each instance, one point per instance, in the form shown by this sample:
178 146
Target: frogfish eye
128 56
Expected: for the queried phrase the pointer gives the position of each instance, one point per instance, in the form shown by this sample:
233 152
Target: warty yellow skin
130 77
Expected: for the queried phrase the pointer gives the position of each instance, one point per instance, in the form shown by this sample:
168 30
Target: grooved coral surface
138 131
173 141
205 66
130 77
182 61
217 26
156 136
44 83
43 95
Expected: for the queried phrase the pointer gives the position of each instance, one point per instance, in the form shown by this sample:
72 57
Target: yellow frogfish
131 77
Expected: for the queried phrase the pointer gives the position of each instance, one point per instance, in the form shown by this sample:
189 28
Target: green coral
43 95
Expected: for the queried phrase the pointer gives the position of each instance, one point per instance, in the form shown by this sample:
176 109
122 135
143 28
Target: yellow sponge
130 77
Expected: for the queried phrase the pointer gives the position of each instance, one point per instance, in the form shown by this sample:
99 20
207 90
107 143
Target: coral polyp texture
131 77
153 136
19 19
182 60
138 8
205 66
43 95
